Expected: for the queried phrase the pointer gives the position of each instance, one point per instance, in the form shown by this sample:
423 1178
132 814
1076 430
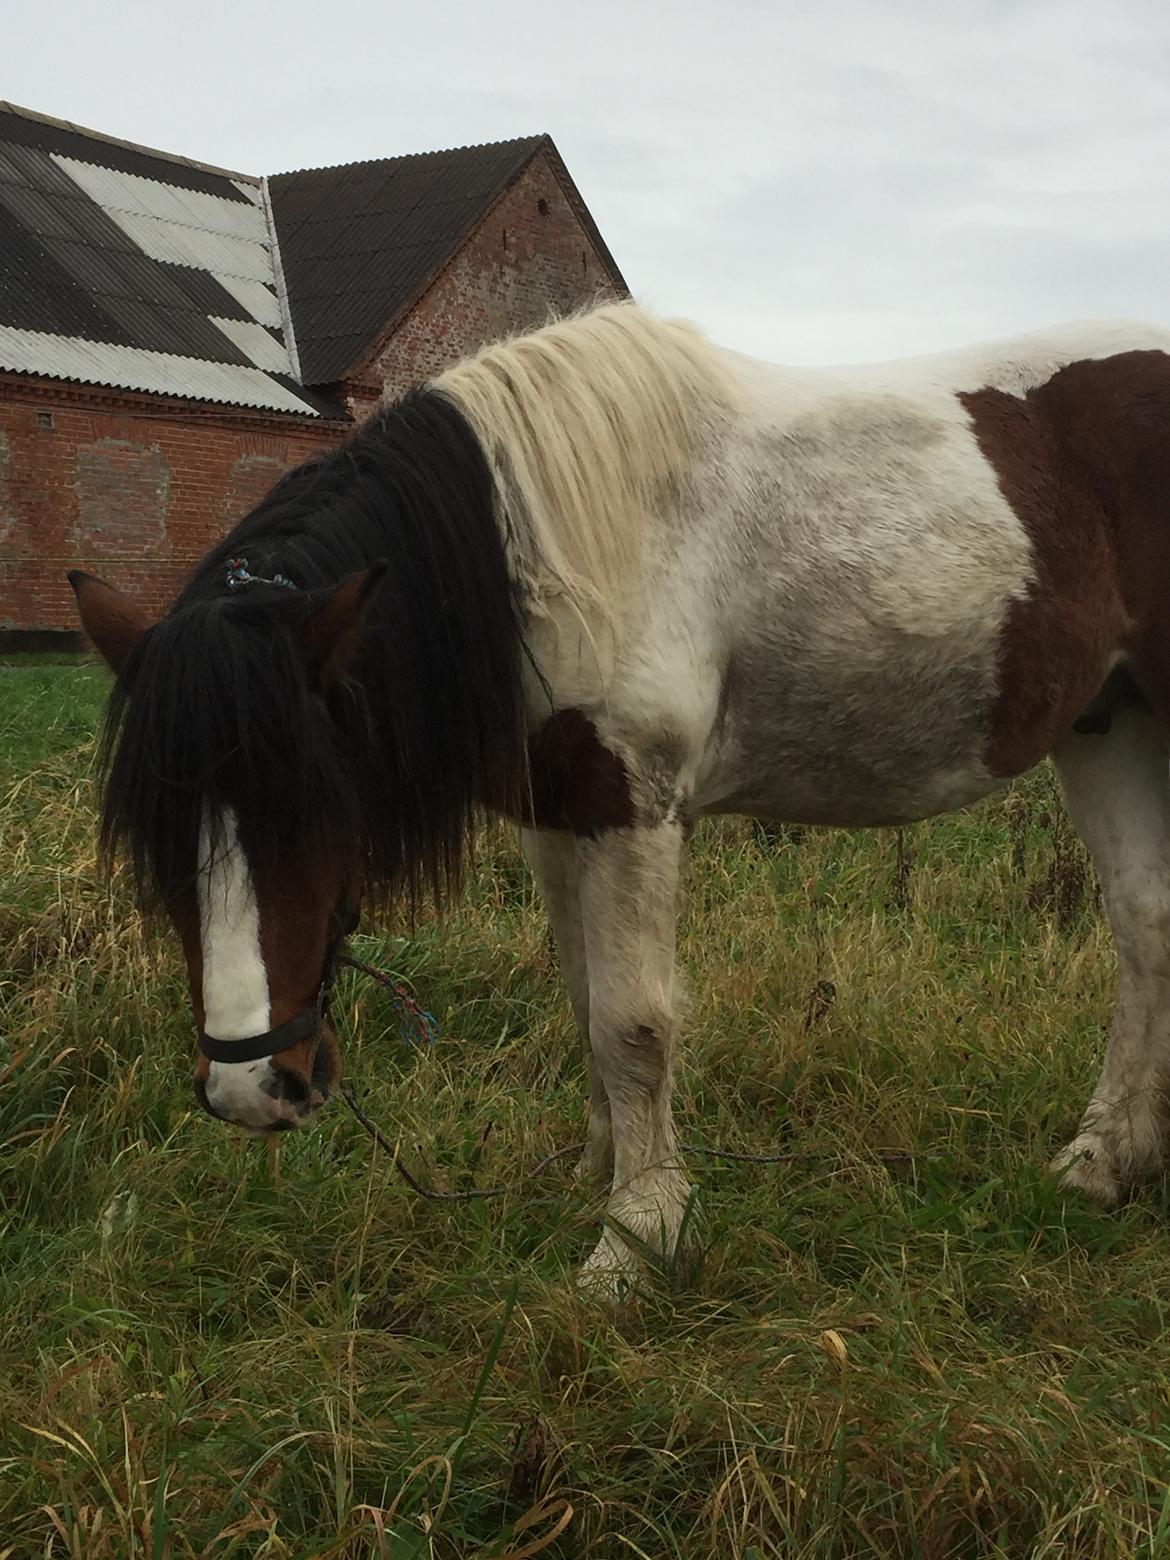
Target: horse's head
261 955
228 784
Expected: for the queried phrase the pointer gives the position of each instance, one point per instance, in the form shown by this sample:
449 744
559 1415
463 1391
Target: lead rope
420 1026
424 1027
429 1192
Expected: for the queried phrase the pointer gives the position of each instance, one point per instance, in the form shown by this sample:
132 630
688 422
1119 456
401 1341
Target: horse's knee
634 1053
1140 916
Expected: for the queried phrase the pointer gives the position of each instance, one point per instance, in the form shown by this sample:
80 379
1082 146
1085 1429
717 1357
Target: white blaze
235 984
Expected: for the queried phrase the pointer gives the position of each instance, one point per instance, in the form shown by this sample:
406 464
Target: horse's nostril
287 1086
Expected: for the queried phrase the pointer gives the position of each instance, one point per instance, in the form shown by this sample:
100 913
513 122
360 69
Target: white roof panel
259 300
180 244
130 192
260 345
133 368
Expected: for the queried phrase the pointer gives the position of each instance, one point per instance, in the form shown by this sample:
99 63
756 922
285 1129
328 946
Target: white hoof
1087 1166
612 1274
643 1231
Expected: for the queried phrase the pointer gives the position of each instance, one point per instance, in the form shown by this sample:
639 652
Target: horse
606 578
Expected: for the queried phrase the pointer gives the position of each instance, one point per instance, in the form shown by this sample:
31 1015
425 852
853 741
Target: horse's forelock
216 713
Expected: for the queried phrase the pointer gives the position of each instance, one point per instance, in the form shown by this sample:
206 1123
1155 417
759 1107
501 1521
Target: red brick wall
521 266
126 487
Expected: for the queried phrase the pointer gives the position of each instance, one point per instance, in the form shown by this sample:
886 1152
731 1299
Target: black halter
253 1048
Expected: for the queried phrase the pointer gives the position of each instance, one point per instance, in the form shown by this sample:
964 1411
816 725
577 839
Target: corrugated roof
164 264
358 243
259 344
115 261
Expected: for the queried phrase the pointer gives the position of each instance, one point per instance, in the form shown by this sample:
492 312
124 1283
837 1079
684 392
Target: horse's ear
333 634
111 619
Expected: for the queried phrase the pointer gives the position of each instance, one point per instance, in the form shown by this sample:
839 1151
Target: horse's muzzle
277 1093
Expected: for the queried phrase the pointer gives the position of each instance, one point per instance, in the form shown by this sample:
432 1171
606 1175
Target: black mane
214 708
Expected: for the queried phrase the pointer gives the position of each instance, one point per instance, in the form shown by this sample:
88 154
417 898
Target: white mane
587 423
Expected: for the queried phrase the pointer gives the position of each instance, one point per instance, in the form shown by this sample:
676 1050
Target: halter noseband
254 1048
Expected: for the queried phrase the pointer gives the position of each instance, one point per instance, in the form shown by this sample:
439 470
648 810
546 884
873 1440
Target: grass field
899 1342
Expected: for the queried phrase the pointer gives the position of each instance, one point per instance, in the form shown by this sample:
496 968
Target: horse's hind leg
1117 788
552 856
629 887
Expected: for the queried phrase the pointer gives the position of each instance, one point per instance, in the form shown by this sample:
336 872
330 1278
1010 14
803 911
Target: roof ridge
287 328
439 151
131 146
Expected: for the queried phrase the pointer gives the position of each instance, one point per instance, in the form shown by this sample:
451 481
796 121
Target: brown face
255 960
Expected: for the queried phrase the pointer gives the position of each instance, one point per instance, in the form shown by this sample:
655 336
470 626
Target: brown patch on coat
1084 462
576 782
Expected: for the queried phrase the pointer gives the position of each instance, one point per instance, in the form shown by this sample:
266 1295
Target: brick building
173 336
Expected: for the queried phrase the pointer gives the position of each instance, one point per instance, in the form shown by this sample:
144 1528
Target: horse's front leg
1117 787
552 856
628 881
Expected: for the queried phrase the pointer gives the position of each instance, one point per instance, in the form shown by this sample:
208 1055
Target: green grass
902 1341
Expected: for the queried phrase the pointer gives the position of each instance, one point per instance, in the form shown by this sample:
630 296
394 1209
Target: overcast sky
811 180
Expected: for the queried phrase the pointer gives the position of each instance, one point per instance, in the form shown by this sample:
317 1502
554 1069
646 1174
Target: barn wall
520 267
127 488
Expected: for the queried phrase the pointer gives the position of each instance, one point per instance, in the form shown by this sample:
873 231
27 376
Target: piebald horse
607 578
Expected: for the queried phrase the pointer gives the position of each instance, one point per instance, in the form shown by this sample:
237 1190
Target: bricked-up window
44 420
7 517
123 500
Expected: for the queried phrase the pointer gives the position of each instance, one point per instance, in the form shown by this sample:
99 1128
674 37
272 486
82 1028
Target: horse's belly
866 561
851 801
854 744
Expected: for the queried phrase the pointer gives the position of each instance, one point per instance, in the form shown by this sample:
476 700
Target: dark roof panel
22 130
358 243
42 213
38 293
31 168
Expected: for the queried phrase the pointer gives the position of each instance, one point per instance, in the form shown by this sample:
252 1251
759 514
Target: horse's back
880 591
1014 364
